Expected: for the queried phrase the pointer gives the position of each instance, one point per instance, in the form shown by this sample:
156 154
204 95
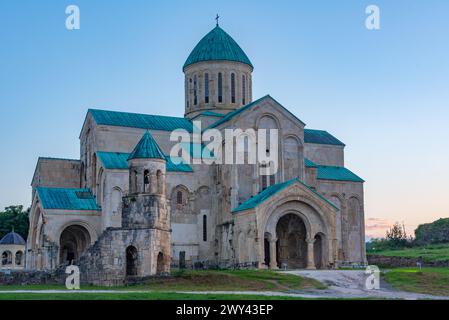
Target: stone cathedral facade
126 208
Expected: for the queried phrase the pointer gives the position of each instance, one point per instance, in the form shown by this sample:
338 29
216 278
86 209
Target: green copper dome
217 45
147 148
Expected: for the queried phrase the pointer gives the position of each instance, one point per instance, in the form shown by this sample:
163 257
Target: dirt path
342 284
351 284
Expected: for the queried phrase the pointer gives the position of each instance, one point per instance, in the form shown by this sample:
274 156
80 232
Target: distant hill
435 232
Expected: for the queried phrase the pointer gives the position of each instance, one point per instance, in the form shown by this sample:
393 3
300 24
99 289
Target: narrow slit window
232 88
206 88
195 91
243 89
204 228
220 88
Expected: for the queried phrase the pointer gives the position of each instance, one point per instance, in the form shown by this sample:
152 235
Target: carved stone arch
274 217
92 232
179 199
74 239
292 157
354 209
258 122
116 200
34 224
320 247
272 206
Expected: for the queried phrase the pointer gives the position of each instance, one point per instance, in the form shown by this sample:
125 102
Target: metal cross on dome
216 18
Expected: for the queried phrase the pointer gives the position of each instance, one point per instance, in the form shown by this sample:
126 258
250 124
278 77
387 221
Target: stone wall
403 262
26 277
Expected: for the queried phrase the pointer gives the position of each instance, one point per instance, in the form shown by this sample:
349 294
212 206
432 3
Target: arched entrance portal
73 242
131 261
292 246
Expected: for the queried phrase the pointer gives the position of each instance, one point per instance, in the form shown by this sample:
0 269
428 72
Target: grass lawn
208 280
428 253
428 280
137 296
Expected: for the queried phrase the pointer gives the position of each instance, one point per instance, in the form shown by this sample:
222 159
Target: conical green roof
147 148
217 45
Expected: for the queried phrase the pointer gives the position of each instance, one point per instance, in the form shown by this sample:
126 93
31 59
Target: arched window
195 91
220 87
19 256
116 201
186 89
146 181
6 257
204 228
243 89
206 88
179 197
232 88
131 261
94 172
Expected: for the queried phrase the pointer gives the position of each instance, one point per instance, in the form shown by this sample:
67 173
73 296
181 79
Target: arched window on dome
232 87
220 87
195 90
243 89
146 181
206 88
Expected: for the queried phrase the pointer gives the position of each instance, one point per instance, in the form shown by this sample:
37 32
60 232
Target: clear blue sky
384 93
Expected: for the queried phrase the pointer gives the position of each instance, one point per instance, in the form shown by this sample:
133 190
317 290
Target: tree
14 218
397 235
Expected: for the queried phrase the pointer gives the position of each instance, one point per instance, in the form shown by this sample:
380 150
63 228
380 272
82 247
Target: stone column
310 257
153 183
273 257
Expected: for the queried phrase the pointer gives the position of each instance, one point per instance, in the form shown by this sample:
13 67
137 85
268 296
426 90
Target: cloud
377 227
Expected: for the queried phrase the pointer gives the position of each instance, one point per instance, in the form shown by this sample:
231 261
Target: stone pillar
273 257
310 257
153 183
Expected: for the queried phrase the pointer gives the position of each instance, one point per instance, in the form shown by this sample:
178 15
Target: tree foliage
397 235
435 232
14 217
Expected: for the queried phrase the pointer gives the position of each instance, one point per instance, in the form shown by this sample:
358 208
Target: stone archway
74 240
131 261
291 236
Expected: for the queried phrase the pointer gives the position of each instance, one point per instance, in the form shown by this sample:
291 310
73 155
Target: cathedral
126 208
